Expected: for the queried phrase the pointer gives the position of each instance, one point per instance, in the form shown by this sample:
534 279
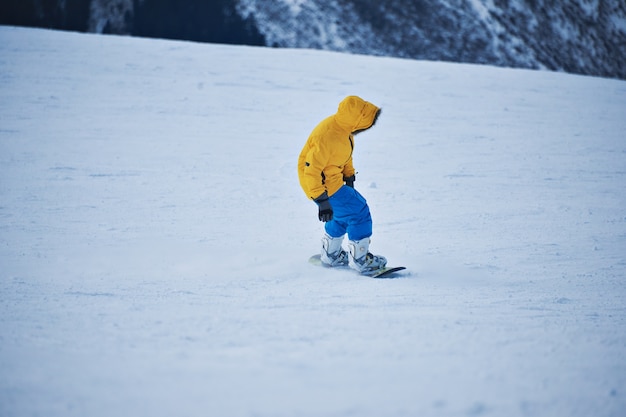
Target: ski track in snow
153 236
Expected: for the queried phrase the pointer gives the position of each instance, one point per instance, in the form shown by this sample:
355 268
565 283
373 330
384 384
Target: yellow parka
326 158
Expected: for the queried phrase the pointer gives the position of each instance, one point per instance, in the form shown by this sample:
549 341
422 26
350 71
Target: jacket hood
354 114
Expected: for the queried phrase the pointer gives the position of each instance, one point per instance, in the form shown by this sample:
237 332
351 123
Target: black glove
350 180
325 209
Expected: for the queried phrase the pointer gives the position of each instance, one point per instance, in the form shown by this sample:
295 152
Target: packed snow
154 238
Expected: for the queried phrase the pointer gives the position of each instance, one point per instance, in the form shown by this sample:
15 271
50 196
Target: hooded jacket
326 158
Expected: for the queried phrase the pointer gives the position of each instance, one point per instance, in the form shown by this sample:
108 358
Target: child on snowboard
327 177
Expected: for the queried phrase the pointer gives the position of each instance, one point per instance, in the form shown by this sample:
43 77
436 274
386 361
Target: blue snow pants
350 215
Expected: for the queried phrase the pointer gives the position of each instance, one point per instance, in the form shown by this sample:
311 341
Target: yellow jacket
326 158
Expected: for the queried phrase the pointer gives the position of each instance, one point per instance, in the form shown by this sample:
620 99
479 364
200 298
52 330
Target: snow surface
153 236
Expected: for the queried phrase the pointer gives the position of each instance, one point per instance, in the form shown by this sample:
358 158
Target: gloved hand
325 209
350 180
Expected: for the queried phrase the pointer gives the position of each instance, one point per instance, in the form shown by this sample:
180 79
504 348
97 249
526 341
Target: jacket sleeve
315 160
348 169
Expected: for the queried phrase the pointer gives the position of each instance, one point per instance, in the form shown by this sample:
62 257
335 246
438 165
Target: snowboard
386 272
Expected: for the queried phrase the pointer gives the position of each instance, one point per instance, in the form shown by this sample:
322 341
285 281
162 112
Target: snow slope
153 237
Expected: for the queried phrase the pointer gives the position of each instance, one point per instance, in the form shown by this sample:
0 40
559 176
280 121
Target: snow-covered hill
153 236
575 36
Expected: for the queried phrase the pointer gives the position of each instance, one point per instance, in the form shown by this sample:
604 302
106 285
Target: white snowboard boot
361 259
332 253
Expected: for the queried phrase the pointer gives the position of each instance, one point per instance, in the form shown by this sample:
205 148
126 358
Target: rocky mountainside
576 36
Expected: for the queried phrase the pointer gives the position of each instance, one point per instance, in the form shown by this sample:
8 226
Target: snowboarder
327 177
